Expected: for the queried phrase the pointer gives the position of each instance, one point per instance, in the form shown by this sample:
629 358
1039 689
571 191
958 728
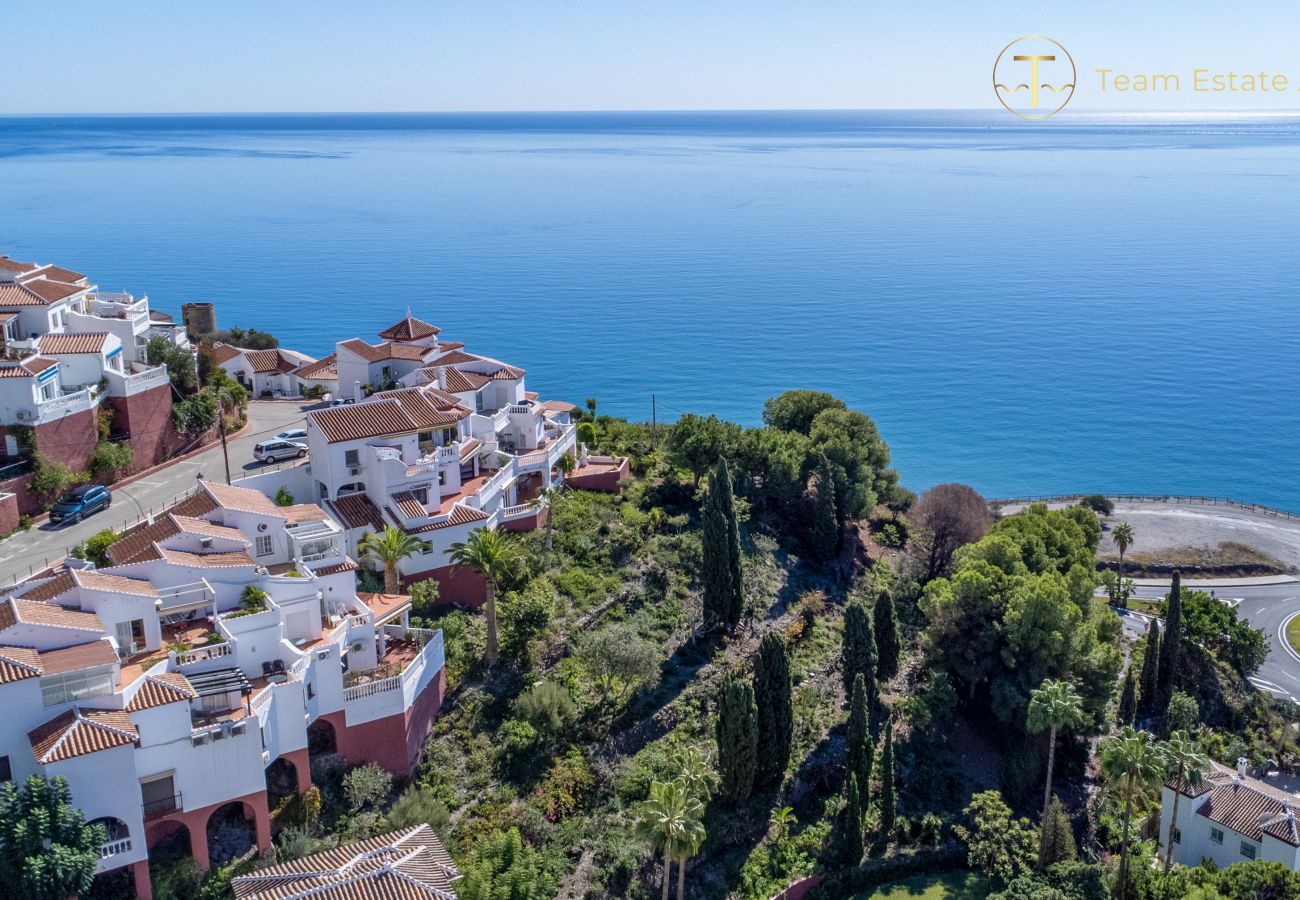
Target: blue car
81 502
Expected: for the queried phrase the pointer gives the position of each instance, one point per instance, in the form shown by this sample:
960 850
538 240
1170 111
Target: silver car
275 450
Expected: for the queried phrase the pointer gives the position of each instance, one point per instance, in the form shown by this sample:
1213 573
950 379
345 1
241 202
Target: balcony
120 385
57 407
108 305
109 849
161 806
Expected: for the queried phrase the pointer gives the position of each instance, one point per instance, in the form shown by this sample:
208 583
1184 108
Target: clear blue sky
397 55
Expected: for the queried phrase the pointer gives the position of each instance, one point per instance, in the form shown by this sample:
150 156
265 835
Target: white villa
225 643
439 442
1230 818
266 373
66 344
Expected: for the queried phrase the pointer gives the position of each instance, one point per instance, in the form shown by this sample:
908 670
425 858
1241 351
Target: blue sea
1093 303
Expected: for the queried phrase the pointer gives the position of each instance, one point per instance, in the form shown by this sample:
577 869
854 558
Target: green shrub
52 479
366 786
418 805
283 497
567 787
549 709
110 459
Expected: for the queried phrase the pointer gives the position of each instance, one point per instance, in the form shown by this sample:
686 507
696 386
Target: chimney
1241 767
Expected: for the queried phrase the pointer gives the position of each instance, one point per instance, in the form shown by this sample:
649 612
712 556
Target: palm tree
389 547
1122 535
688 844
695 769
1184 762
546 499
781 821
669 819
492 554
1132 756
1055 706
567 463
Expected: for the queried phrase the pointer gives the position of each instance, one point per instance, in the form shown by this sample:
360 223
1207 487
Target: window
1178 835
1247 850
69 687
351 457
6 773
264 545
1216 835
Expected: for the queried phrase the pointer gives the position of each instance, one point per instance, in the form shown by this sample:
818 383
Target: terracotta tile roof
58 273
1247 806
455 357
161 689
348 565
403 865
445 346
460 515
77 733
222 353
303 512
424 412
232 559
91 342
204 528
56 587
357 511
558 406
362 349
33 612
321 370
262 361
132 547
39 364
459 382
197 505
32 366
14 370
13 265
52 291
408 329
467 448
409 506
7 316
387 350
406 351
240 499
118 584
81 656
441 399
358 421
18 663
507 373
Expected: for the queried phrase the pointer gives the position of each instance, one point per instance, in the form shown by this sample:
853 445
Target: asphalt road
1265 606
31 551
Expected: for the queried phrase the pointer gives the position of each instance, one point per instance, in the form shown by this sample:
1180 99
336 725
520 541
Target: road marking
1281 636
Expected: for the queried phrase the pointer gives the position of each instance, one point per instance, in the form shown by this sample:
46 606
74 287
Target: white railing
371 688
74 402
450 453
331 553
501 418
497 481
520 409
203 654
113 848
521 511
261 698
143 381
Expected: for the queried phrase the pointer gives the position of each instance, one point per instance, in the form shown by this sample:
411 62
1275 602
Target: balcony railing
371 688
110 849
74 402
522 511
161 806
203 654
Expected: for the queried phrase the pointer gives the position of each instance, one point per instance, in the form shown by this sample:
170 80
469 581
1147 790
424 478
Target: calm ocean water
1092 303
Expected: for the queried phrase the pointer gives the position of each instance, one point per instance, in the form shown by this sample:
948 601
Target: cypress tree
1128 700
775 710
858 648
846 839
888 645
826 524
1150 679
737 736
1058 836
859 735
888 791
723 598
1171 648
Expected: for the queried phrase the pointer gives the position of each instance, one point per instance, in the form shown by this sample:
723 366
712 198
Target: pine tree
1058 837
846 836
1171 647
860 749
1150 679
721 576
772 691
737 736
858 650
825 536
1128 700
888 791
888 646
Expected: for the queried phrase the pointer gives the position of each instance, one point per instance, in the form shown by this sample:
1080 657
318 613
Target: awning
222 681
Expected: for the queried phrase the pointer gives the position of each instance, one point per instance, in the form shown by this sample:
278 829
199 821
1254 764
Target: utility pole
221 427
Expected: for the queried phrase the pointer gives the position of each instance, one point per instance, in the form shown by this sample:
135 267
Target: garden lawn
1293 633
943 886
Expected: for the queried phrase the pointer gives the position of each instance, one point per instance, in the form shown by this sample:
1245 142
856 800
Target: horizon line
633 111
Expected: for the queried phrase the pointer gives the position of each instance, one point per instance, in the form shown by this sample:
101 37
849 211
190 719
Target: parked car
275 450
293 434
81 502
340 401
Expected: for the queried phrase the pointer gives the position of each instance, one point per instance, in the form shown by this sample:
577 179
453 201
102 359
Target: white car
293 434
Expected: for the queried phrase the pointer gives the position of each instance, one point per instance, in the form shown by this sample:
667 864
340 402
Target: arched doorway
321 738
231 832
281 780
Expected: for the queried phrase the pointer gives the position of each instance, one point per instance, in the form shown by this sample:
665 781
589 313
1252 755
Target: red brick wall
528 523
69 440
464 586
148 418
394 742
8 513
605 479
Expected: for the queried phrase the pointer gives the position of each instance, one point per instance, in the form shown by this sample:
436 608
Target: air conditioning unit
355 470
219 735
199 740
356 648
24 415
205 543
238 728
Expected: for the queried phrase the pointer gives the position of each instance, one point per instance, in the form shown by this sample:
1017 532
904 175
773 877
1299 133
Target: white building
226 640
266 373
1230 818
